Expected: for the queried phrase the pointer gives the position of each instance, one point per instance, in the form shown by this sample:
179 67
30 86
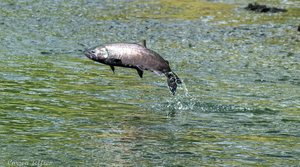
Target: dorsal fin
142 43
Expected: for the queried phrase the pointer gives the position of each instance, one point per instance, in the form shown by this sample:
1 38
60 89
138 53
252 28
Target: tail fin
173 80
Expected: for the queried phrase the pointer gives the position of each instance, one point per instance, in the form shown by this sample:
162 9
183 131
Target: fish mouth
88 54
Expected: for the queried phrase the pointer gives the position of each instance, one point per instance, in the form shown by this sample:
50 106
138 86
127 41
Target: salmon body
135 56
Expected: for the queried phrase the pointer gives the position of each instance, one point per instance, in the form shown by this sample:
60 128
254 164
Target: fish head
97 53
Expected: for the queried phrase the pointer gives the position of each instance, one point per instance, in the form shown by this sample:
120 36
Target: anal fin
159 73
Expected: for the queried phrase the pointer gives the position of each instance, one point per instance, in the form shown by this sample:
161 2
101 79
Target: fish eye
93 51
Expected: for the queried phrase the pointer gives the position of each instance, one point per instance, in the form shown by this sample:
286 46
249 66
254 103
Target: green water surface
239 104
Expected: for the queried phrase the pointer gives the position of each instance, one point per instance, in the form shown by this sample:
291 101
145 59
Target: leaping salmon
135 56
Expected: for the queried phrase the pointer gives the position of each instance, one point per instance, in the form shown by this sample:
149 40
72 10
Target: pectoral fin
112 68
159 73
140 71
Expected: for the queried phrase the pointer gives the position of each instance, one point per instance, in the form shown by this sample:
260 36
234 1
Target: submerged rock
263 8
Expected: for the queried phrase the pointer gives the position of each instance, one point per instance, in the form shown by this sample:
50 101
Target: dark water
239 104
